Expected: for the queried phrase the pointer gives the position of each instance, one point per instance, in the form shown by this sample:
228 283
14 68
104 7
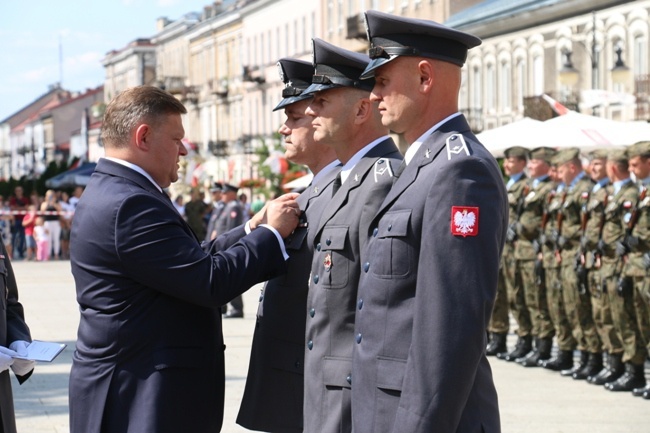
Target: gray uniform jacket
12 328
336 266
273 396
427 291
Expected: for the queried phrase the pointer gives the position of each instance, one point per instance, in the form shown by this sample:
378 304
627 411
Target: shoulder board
455 145
382 168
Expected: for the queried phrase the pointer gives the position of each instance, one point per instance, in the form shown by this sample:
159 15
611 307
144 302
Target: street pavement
531 400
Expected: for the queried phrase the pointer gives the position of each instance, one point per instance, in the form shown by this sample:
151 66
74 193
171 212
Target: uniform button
359 337
360 304
390 227
318 247
328 241
375 232
298 364
310 344
312 312
261 298
315 279
366 266
349 379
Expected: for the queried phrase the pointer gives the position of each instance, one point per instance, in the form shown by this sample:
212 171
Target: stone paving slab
531 400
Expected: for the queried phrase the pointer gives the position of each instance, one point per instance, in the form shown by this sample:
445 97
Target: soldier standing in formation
635 274
510 293
575 296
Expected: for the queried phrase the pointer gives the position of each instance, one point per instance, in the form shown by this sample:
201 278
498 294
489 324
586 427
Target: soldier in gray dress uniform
273 397
345 119
430 272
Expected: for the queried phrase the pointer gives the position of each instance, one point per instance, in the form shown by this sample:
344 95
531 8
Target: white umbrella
299 184
513 134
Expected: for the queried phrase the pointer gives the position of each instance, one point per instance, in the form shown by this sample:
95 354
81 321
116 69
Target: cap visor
291 100
318 88
369 72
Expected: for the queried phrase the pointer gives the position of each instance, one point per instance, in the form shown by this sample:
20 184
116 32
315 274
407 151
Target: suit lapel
433 147
355 179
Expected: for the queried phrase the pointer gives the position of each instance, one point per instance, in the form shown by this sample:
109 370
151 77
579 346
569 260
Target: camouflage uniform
509 291
575 296
600 307
617 216
529 230
637 267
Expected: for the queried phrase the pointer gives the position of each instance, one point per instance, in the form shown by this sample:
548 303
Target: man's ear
363 111
142 136
427 75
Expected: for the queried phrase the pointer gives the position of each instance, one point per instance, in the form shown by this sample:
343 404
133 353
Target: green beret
598 154
642 148
516 151
565 155
617 155
543 153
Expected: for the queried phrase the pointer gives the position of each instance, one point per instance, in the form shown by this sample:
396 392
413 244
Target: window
477 92
538 75
490 87
640 53
505 83
521 84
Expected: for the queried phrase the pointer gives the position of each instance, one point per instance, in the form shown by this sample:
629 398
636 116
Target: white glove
5 358
21 366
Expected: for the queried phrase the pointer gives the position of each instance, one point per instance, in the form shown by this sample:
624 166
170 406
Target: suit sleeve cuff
277 235
247 227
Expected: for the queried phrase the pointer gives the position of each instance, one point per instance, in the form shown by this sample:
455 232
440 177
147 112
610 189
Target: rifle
625 285
579 266
511 234
559 220
540 273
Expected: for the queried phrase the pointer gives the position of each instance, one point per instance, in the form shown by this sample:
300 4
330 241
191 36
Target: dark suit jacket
426 295
12 328
273 396
339 240
149 354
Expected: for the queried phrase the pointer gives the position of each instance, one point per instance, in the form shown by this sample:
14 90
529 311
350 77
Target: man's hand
6 359
21 366
259 217
282 214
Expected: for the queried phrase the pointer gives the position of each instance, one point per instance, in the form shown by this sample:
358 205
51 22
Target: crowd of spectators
37 227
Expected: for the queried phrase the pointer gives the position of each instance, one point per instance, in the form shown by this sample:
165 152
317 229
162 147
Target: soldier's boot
541 353
613 371
524 345
594 365
638 392
562 361
646 393
582 363
633 378
497 344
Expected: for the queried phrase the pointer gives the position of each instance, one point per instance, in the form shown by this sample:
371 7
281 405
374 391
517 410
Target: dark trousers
18 239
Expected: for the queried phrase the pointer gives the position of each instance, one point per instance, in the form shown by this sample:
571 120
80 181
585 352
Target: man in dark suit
14 339
430 276
345 119
273 397
149 353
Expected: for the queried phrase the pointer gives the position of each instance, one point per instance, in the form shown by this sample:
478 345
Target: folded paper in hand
42 351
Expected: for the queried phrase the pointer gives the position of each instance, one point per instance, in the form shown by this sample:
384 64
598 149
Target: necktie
336 184
399 171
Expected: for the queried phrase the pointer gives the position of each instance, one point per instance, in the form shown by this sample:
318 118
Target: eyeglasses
387 52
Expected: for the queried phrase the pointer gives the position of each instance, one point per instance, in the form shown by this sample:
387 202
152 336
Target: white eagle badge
464 221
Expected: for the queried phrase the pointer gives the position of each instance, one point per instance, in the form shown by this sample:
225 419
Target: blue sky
30 31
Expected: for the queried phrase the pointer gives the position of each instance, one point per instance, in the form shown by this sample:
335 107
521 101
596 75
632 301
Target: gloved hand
561 242
584 241
600 248
511 233
632 241
621 248
6 358
646 260
624 287
21 366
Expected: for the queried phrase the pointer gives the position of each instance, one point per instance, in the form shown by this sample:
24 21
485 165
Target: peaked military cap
598 154
391 36
337 67
296 76
543 153
516 151
229 188
216 187
617 155
565 155
642 148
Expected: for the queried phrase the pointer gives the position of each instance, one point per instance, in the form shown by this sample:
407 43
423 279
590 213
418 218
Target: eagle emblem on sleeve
464 221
